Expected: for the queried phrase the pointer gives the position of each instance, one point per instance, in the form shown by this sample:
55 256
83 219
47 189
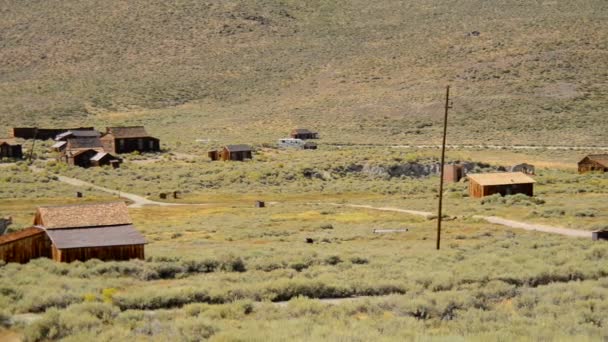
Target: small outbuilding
232 152
87 152
10 149
593 163
503 183
525 168
304 134
129 139
453 173
25 245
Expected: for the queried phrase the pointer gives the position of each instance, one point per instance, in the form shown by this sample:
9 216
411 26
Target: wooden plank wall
127 252
26 249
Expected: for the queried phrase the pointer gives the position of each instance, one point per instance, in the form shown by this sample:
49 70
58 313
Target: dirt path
508 147
490 219
138 201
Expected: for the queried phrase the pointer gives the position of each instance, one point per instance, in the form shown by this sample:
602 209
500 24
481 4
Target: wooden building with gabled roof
129 139
304 134
91 231
593 163
87 152
503 183
232 152
77 134
10 149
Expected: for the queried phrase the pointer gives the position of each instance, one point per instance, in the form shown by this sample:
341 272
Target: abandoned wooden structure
525 168
77 134
76 232
304 134
453 173
10 149
43 133
593 163
87 152
232 152
24 245
503 183
599 235
129 139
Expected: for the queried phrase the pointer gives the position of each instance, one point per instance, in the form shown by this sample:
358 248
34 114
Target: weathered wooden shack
10 149
43 133
91 231
129 139
503 183
453 173
525 168
304 134
87 152
24 245
232 152
593 163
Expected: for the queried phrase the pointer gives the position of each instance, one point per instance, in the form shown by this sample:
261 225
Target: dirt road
490 219
508 147
138 201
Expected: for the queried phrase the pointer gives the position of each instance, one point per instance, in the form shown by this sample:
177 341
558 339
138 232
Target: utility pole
33 144
445 129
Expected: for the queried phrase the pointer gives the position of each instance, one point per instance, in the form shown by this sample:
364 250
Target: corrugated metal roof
78 134
239 148
59 144
22 234
128 132
84 215
95 237
500 178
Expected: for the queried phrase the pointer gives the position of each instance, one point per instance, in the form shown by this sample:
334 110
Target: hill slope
356 70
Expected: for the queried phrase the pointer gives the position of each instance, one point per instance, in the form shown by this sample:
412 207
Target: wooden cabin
10 149
453 173
43 133
90 231
129 139
87 152
503 183
304 134
232 152
593 163
25 245
525 168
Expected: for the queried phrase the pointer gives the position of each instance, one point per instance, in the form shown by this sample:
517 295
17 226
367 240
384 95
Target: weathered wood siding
11 151
126 252
587 165
452 173
26 249
477 190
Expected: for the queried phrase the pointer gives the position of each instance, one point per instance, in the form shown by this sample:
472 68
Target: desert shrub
153 300
232 264
359 260
41 301
47 328
585 213
333 260
327 226
195 329
5 318
200 266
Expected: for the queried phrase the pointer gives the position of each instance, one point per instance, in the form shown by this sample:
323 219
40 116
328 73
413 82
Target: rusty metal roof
84 215
601 159
95 237
500 178
22 234
239 148
128 132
